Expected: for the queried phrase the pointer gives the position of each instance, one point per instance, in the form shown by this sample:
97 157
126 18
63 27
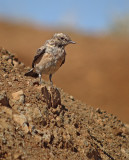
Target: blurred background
96 68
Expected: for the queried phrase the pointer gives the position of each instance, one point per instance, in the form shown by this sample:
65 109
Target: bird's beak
72 42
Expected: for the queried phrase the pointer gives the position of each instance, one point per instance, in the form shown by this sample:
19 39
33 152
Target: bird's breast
51 61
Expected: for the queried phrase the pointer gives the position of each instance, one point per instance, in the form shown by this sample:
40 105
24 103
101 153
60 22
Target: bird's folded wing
63 59
38 55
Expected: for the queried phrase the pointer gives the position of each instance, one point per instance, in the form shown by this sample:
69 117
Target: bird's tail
31 73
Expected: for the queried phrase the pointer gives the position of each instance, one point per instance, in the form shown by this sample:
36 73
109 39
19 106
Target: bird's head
62 39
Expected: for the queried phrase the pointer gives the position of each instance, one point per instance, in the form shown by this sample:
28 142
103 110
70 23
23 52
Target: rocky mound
42 122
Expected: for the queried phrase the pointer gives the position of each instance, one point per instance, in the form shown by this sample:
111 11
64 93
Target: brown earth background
96 68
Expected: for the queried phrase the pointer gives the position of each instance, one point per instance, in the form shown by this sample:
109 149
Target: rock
4 141
19 96
51 96
10 61
15 63
5 57
71 97
20 119
125 152
4 99
1 83
22 64
28 104
17 156
46 96
37 138
5 76
55 97
126 129
37 113
46 136
10 84
98 110
25 127
43 128
8 111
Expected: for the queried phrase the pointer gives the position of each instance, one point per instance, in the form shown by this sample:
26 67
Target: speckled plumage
50 57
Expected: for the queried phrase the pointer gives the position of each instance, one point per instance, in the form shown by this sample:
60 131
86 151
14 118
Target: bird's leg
40 78
50 78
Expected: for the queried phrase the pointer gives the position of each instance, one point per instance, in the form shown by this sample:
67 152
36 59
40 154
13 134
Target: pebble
10 84
4 99
5 57
15 63
1 83
19 96
28 104
5 76
71 97
25 127
20 119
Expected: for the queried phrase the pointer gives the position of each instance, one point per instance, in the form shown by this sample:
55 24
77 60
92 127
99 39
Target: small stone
4 141
19 96
7 110
99 111
25 127
10 84
4 99
28 68
28 104
71 97
45 110
32 129
126 129
15 63
47 136
86 143
125 152
37 113
22 64
58 118
10 61
5 57
38 138
17 156
19 118
14 78
22 99
5 76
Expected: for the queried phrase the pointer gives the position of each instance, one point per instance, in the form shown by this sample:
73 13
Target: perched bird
50 57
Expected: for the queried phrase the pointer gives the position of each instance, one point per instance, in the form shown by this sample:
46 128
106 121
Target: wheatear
50 57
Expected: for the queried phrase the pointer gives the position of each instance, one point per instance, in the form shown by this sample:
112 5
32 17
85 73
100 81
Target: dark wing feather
63 59
39 53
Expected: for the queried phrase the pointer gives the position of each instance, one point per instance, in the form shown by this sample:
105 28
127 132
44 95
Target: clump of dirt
43 122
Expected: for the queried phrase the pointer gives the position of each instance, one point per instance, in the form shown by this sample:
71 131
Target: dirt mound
43 122
96 67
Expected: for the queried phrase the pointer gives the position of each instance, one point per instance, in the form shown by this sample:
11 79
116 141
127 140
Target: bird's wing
38 55
62 62
63 59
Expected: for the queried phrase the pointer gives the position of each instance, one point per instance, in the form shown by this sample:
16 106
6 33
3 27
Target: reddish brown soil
37 124
96 68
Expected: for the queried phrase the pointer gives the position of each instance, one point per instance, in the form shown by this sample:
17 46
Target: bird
50 57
